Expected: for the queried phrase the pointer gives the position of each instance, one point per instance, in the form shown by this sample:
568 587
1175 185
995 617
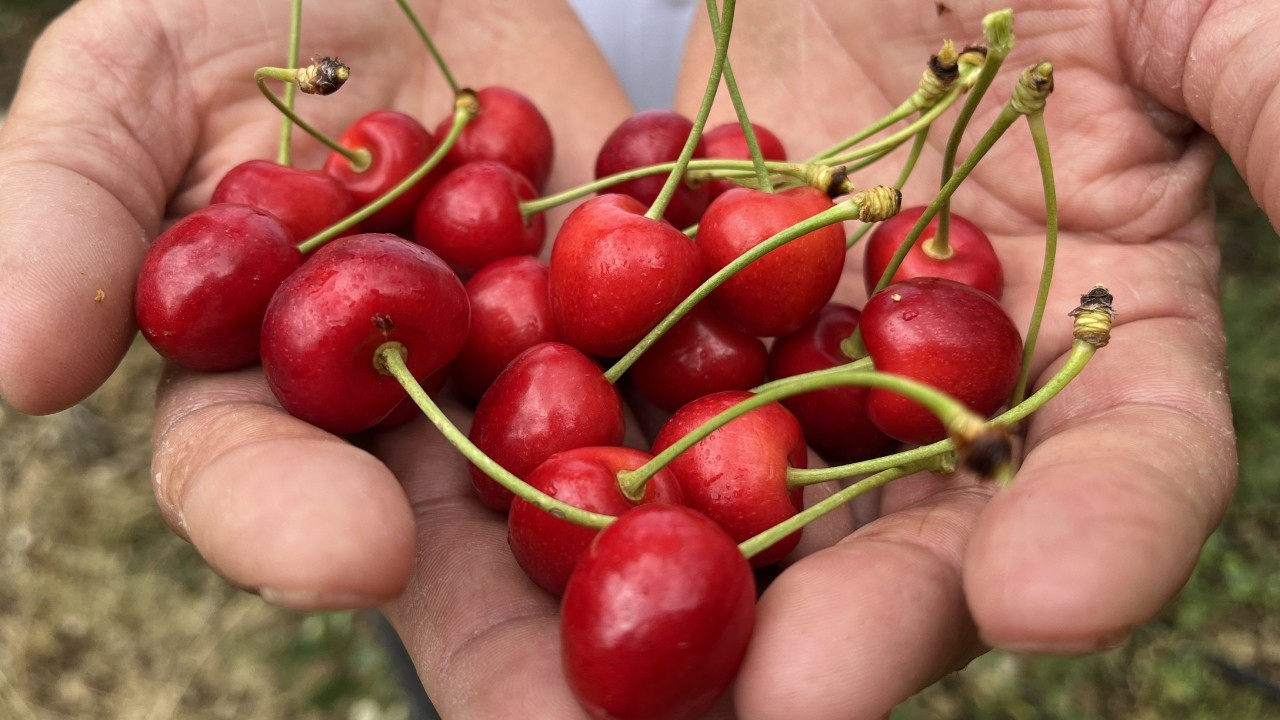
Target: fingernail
311 600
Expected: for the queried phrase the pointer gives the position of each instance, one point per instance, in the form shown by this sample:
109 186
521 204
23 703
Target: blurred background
105 614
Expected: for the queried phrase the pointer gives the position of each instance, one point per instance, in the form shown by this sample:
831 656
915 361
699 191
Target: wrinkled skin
1124 475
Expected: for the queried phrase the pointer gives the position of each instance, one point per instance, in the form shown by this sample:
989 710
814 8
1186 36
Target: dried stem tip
466 99
878 203
1033 89
941 71
997 31
323 76
1094 317
985 450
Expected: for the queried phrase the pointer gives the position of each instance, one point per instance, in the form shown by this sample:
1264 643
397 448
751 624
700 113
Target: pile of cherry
255 277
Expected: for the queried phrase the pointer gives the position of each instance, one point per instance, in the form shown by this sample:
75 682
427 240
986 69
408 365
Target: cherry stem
713 84
951 412
882 147
997 31
740 109
431 46
859 364
389 358
916 147
758 544
358 158
465 106
869 205
284 153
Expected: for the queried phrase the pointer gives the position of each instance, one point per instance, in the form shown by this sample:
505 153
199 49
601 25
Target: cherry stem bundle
740 109
284 154
337 73
431 46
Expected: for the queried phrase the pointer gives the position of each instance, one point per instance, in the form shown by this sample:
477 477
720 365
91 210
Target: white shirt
643 40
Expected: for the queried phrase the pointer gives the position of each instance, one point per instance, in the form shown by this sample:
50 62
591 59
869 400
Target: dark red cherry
945 334
551 398
737 475
328 319
472 217
786 288
615 273
508 129
700 355
547 547
397 145
834 420
727 141
205 283
306 201
972 260
649 138
657 616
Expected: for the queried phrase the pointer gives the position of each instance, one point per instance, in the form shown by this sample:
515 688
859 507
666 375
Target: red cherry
205 283
510 313
973 261
551 398
657 616
786 288
700 355
508 129
306 201
649 138
615 273
397 145
548 547
328 319
834 420
941 333
727 141
737 475
472 217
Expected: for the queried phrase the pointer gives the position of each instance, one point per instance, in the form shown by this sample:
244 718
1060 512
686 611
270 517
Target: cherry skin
727 141
615 273
306 201
834 420
547 547
472 217
649 138
972 260
397 145
657 616
508 129
945 334
551 398
205 283
327 321
700 355
786 288
510 313
737 475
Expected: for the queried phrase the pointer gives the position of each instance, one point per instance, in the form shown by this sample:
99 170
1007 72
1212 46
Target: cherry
550 398
306 201
834 420
787 287
548 547
727 141
510 313
657 616
737 475
615 273
971 259
945 334
397 145
508 129
472 217
327 320
700 355
649 138
205 283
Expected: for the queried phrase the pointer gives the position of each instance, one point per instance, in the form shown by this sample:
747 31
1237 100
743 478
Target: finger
1128 472
852 631
276 505
94 140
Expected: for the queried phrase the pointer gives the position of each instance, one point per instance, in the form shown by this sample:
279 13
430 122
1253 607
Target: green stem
897 114
284 154
359 159
755 545
1041 139
713 84
431 46
860 364
1081 352
896 139
914 157
390 359
739 109
462 114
